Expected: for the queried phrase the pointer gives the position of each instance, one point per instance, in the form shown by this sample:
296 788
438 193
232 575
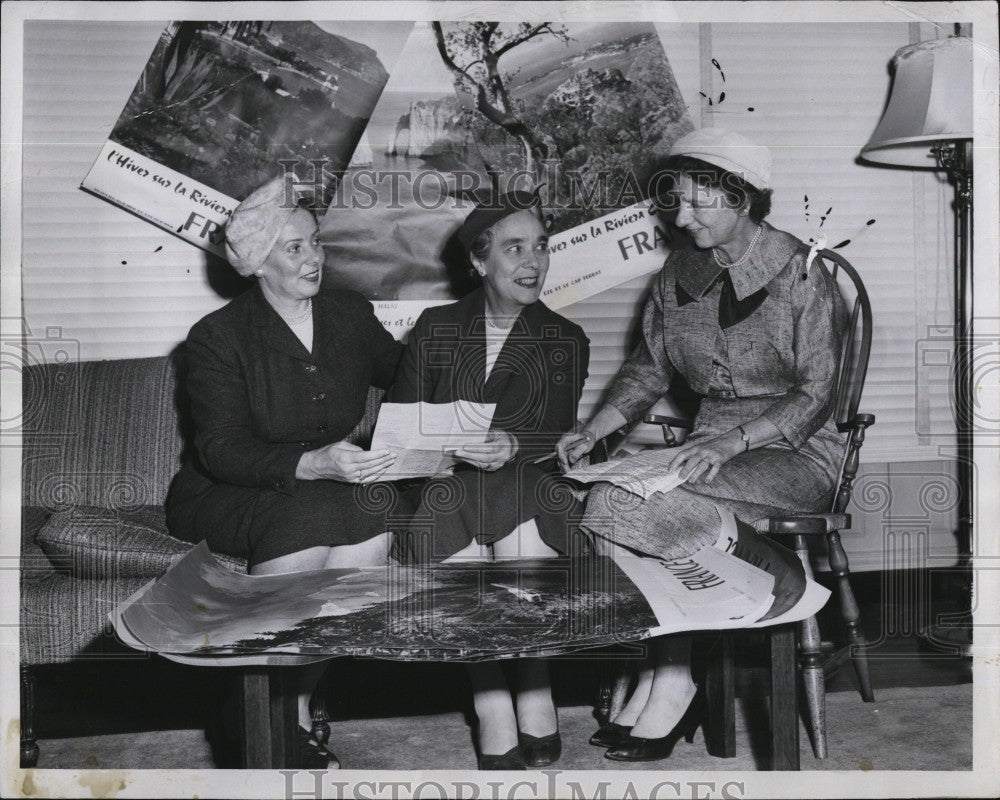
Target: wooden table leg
284 716
784 700
720 691
268 717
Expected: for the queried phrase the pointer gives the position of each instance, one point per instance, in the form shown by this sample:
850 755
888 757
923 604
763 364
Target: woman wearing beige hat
752 322
277 379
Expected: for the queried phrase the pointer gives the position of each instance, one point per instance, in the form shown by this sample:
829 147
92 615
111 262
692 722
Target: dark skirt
452 511
263 524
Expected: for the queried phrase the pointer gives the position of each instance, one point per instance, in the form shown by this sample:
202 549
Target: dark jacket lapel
275 333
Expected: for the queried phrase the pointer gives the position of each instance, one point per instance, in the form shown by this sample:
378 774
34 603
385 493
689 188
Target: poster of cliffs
579 112
221 107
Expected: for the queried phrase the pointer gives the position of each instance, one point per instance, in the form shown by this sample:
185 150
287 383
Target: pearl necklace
491 324
746 253
295 319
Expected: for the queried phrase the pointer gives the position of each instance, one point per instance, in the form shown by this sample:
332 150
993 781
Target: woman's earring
259 273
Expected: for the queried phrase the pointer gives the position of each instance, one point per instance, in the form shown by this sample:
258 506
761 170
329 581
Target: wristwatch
745 437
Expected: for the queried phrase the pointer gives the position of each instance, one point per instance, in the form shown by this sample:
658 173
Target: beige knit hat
730 151
256 223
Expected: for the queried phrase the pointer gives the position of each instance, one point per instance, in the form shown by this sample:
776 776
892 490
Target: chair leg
29 746
811 665
602 706
814 683
720 692
784 700
318 710
851 615
622 673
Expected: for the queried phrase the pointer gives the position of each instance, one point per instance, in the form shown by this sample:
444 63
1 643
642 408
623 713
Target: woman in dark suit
500 345
277 379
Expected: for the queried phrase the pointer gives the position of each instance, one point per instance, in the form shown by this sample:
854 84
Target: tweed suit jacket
780 361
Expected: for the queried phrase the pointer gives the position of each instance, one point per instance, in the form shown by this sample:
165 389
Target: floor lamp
928 124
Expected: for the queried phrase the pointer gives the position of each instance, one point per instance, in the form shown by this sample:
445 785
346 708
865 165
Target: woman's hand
573 446
500 447
343 461
701 459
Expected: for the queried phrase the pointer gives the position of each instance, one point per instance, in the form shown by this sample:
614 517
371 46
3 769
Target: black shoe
636 748
512 759
610 735
540 751
311 754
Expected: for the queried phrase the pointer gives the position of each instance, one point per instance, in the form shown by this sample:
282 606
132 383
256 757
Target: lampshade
931 102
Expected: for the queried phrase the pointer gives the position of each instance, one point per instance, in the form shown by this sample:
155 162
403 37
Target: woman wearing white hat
753 324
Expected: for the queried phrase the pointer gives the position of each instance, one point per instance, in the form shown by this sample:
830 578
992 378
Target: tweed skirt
753 485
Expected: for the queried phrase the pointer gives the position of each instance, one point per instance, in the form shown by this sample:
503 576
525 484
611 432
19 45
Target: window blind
817 92
114 284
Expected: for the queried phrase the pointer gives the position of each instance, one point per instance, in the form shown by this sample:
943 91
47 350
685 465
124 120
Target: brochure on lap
643 474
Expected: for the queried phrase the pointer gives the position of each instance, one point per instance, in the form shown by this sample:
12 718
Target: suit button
320 396
310 367
279 484
321 428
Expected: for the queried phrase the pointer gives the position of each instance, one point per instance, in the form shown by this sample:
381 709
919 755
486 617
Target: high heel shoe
540 751
610 734
512 759
636 748
311 754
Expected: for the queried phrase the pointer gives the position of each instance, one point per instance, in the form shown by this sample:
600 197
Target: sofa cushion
94 542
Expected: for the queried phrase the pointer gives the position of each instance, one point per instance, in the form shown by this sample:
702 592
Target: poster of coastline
581 112
221 107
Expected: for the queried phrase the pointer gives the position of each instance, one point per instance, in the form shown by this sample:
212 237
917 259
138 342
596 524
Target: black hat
488 213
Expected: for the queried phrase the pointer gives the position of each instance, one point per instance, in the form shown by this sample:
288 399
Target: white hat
730 151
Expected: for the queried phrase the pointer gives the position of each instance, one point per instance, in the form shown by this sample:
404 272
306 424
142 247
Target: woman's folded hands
343 461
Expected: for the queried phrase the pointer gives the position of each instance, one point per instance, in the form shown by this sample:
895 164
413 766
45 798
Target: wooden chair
720 736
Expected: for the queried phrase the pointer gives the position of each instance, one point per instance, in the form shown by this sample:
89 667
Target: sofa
101 441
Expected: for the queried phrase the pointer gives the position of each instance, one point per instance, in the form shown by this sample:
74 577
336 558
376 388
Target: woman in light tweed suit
753 324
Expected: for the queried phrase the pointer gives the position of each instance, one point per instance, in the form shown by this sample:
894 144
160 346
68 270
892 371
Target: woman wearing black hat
500 345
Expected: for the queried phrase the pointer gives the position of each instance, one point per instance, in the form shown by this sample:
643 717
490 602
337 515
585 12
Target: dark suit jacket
259 398
536 381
